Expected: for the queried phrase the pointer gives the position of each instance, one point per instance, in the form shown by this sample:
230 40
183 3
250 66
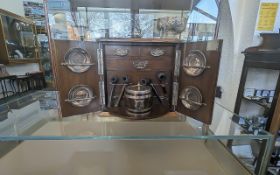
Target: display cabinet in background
259 90
19 36
259 85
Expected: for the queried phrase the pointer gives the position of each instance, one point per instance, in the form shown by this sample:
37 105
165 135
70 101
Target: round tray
191 98
80 96
77 60
138 90
195 63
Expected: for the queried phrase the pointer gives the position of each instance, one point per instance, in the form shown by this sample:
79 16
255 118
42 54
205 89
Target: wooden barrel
138 99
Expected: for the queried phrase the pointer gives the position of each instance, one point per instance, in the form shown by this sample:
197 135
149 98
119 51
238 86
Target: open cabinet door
76 71
197 80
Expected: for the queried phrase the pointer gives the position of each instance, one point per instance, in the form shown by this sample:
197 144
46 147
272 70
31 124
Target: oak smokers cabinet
190 73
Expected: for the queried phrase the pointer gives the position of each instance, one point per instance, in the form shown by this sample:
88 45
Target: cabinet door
199 67
77 76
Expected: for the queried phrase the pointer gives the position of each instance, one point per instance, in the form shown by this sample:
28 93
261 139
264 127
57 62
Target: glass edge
26 138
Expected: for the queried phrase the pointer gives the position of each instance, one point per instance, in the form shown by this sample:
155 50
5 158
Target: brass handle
79 99
194 102
76 64
198 67
121 52
157 52
140 64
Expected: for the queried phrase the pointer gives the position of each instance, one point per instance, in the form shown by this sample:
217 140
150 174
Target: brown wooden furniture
128 64
275 122
66 79
140 59
206 82
266 56
18 36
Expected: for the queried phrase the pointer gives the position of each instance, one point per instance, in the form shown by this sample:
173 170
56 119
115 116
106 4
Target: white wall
237 36
238 30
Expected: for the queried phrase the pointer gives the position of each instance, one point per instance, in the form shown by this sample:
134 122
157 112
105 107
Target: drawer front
138 64
157 51
122 51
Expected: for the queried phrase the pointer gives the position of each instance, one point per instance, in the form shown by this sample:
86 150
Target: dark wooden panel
205 82
134 78
111 49
162 58
123 66
128 64
67 79
116 66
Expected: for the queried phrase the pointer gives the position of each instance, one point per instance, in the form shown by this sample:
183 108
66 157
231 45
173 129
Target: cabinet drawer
138 64
122 51
157 51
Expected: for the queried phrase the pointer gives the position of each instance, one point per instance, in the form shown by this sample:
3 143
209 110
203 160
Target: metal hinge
177 63
175 93
102 92
100 61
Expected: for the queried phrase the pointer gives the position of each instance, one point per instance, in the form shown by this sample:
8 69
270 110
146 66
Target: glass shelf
105 126
38 120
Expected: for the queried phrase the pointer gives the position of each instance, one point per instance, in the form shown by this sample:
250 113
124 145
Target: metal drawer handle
121 52
79 99
73 64
194 102
198 67
157 52
140 64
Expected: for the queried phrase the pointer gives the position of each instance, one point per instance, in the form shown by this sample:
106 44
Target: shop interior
182 87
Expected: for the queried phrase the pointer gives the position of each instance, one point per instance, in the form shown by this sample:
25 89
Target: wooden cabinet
205 82
160 64
19 39
138 61
260 80
258 95
68 77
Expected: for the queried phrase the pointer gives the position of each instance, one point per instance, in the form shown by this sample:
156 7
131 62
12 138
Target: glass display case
19 36
164 33
102 143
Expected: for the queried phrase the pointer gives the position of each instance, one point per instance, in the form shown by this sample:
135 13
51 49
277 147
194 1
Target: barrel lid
139 89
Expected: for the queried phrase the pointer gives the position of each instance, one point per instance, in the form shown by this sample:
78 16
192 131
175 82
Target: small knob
145 81
114 80
162 76
125 79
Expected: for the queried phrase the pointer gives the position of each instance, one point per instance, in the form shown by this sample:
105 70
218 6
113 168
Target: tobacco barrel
138 99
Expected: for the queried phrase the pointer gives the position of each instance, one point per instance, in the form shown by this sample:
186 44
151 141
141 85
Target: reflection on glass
91 23
163 23
19 38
